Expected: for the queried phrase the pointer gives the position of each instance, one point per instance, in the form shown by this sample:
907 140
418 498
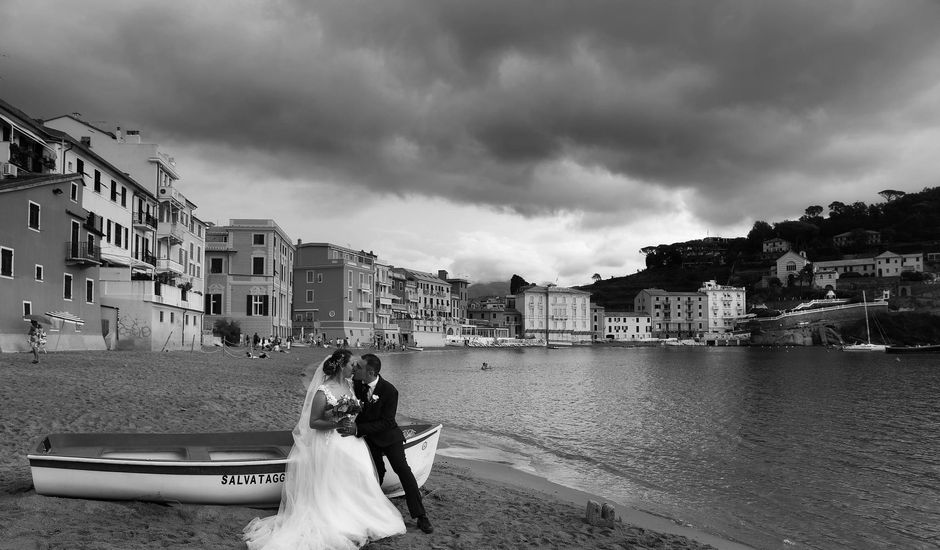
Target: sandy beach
473 504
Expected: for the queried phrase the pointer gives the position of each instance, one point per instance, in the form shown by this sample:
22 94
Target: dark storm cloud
481 102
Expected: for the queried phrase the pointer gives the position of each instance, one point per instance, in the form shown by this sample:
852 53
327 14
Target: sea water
772 447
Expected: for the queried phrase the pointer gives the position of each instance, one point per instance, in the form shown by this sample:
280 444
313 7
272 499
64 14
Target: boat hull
864 347
245 469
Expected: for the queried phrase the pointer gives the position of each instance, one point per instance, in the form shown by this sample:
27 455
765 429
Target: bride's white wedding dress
331 497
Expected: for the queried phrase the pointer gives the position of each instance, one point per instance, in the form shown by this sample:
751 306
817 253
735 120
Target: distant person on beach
37 339
330 498
255 340
376 425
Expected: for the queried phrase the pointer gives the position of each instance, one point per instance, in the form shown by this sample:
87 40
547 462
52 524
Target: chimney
298 242
86 141
442 274
119 135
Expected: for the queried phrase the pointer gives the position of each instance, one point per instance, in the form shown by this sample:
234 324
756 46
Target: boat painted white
864 347
244 468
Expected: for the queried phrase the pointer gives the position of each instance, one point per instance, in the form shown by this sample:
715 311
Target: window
127 239
33 215
310 276
27 308
257 305
38 272
257 238
309 296
117 234
80 167
349 278
108 232
213 304
123 196
6 262
349 298
74 193
67 286
113 191
89 291
215 265
172 317
161 316
319 277
98 181
257 266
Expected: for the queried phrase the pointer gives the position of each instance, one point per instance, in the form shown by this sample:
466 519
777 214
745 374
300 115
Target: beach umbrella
39 318
65 317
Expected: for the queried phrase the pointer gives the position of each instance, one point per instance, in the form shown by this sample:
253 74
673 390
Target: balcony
82 253
167 265
365 304
218 243
143 220
170 230
94 223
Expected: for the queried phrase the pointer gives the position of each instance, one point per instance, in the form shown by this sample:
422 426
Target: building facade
49 262
627 326
337 285
249 279
555 315
724 305
673 314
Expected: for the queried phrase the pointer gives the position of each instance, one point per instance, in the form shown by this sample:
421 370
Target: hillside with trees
905 223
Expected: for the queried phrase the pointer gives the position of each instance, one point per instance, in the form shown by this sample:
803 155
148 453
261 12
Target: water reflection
826 449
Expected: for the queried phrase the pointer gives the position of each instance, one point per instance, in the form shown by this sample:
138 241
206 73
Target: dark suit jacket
376 423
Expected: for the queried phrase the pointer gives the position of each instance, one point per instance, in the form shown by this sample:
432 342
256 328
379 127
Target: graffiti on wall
132 328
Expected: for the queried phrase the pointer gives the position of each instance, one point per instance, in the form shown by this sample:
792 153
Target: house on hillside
776 245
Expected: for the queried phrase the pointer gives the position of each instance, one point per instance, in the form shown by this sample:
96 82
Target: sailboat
865 346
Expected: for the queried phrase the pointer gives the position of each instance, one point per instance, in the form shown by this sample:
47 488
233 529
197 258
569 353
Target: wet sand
473 504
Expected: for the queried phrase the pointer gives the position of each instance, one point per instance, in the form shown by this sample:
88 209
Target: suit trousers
396 458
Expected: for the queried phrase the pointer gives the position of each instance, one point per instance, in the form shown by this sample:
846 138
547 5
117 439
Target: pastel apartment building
555 315
627 326
336 285
250 278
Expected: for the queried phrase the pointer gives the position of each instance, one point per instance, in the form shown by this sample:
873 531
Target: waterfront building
433 309
163 309
336 284
249 279
495 313
404 304
598 332
626 326
49 259
673 314
724 305
459 296
556 315
386 327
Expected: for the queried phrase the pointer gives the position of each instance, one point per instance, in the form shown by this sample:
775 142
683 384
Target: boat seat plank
198 453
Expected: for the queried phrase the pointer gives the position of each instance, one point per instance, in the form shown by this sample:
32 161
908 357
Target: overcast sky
490 137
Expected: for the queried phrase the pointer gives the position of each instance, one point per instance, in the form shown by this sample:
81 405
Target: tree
813 211
515 283
596 277
836 208
229 330
891 194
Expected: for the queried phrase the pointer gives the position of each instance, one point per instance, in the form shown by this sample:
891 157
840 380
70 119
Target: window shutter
248 306
207 308
264 305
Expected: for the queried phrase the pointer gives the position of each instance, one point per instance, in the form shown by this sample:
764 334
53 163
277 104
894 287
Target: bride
331 496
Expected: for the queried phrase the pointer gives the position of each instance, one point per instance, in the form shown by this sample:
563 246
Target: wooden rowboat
244 468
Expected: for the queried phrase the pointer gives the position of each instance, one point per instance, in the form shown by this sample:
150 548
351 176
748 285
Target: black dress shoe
425 524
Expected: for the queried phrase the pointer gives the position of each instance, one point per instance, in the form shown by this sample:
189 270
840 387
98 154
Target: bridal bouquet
346 405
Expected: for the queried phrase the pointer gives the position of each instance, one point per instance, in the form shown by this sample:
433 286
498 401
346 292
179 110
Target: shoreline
473 503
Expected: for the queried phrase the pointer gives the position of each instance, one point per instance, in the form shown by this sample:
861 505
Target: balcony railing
144 220
82 252
166 264
170 230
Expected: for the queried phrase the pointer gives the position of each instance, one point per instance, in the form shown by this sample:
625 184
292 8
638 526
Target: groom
376 423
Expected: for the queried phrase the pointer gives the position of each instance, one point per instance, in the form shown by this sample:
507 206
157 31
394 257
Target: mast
865 305
548 290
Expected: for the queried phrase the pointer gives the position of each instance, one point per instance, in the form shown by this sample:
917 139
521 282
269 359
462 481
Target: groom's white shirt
371 387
